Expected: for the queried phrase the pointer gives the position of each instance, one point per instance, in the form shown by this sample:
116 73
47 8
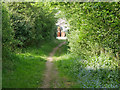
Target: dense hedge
94 43
94 27
27 23
7 30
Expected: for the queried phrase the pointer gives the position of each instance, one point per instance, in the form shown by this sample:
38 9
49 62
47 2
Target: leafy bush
94 27
31 22
94 37
7 31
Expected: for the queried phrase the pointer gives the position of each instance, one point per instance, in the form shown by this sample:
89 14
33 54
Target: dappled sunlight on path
51 72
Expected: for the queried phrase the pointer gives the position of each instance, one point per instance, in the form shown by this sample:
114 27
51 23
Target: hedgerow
94 43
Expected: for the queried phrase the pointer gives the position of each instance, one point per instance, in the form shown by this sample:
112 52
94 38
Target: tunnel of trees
94 34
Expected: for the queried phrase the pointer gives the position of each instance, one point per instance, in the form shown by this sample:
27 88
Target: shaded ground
51 77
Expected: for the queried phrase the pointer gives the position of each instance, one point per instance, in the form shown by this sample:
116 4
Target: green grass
25 69
95 72
61 55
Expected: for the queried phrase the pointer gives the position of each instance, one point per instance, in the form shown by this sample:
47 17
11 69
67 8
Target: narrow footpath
51 73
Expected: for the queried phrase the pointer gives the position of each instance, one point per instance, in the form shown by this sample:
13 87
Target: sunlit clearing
32 55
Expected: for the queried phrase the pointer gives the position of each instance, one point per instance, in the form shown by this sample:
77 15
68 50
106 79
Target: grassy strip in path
25 69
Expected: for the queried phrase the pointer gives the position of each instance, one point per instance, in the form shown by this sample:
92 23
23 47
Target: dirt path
51 73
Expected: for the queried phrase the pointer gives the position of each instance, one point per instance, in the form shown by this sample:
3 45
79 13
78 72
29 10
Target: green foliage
7 31
25 68
93 26
44 25
95 72
30 22
93 42
26 24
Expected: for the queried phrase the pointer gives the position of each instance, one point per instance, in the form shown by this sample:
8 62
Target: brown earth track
51 73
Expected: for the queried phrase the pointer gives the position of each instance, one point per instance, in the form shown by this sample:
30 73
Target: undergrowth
95 72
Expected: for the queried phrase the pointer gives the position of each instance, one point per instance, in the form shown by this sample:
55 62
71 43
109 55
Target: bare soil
51 77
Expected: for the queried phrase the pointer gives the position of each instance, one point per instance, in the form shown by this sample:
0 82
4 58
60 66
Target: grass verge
24 69
95 72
